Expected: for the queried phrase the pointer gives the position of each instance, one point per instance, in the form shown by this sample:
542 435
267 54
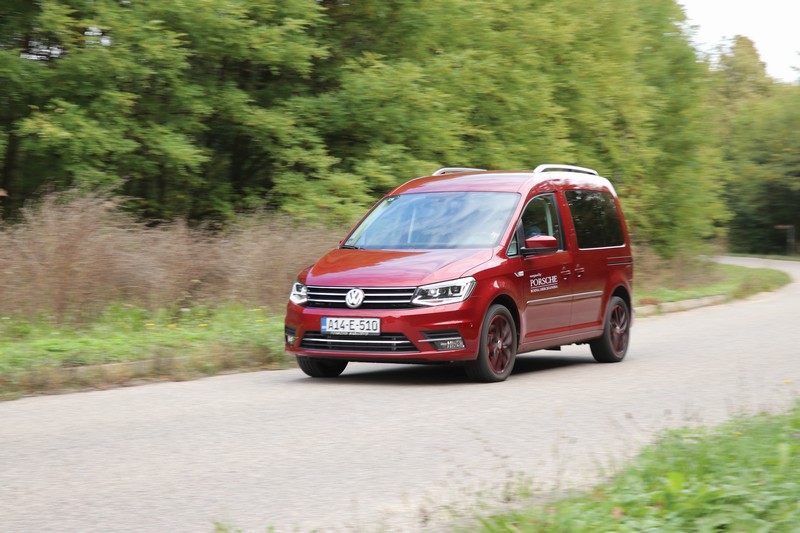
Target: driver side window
541 218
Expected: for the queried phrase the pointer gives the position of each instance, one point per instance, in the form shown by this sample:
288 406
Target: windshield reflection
436 220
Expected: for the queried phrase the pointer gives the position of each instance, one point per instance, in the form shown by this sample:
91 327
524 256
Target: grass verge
712 279
126 343
741 476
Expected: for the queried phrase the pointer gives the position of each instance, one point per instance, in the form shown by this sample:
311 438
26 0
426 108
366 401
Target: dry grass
653 272
71 256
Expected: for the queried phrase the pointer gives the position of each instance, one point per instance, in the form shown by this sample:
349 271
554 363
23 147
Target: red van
472 266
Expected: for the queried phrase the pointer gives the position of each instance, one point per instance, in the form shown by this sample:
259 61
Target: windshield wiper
350 247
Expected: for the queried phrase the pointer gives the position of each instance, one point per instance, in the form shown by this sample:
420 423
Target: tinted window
596 219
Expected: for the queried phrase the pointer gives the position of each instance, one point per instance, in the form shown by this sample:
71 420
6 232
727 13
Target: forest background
200 109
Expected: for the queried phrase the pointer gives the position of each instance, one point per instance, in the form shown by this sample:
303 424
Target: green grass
215 339
718 279
739 477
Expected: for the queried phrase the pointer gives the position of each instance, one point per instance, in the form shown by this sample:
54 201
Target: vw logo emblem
354 298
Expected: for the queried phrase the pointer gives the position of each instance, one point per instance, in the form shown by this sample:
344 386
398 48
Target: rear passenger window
597 222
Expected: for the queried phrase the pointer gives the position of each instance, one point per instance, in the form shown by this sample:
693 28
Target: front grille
385 342
374 297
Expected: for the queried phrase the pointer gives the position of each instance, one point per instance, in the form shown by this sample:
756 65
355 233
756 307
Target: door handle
565 272
579 271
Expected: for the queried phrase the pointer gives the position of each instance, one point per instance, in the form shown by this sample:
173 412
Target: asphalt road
384 448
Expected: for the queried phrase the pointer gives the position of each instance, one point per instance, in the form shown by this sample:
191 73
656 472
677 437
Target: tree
757 134
680 196
166 98
765 161
19 84
740 73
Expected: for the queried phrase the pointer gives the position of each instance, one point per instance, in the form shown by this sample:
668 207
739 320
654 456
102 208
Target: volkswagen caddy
473 266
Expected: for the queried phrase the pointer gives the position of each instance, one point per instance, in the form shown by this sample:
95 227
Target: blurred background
158 152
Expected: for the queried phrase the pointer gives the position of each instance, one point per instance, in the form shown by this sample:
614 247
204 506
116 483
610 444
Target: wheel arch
508 302
622 292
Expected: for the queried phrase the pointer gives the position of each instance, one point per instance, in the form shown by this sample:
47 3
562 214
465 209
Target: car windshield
436 220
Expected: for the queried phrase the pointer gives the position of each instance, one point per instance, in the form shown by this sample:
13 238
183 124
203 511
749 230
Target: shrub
72 256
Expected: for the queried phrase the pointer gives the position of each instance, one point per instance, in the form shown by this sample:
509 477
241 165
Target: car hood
393 268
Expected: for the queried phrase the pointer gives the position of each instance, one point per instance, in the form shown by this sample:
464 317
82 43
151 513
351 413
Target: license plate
351 326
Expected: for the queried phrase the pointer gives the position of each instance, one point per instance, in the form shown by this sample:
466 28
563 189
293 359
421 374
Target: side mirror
540 244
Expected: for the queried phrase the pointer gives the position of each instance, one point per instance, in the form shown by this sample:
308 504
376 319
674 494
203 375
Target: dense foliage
761 134
315 107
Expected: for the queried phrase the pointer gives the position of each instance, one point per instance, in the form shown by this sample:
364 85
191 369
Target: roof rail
453 170
567 168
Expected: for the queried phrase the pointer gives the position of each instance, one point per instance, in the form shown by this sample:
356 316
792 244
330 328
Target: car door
544 278
599 239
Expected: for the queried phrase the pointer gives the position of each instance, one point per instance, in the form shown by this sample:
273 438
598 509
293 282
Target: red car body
554 295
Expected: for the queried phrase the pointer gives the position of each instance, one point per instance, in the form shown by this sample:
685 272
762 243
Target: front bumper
414 335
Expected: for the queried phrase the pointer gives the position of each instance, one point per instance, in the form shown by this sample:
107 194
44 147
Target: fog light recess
290 334
456 344
445 339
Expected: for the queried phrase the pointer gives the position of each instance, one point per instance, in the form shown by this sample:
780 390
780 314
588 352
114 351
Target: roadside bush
72 256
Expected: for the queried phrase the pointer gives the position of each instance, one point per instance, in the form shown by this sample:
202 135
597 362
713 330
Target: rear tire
613 345
321 368
498 347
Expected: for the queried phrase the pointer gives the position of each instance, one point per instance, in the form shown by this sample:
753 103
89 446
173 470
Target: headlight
299 293
446 292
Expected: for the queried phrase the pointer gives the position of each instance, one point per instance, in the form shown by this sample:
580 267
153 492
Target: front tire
613 345
498 347
321 368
